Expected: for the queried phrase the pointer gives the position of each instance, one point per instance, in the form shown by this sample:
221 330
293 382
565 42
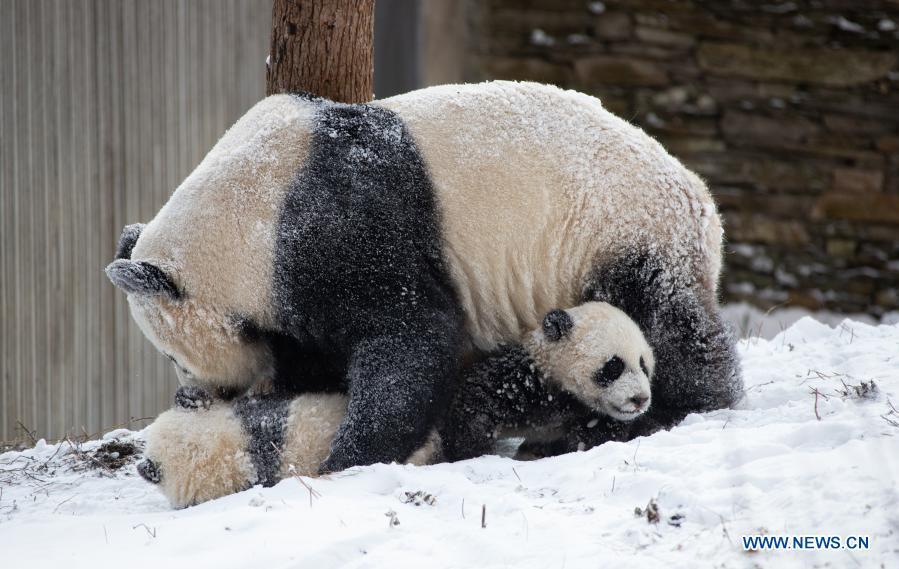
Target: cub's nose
639 400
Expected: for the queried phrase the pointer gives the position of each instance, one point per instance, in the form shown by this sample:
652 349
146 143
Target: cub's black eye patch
643 366
609 372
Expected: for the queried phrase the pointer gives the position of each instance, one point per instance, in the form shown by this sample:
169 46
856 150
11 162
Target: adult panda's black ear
141 278
129 236
557 324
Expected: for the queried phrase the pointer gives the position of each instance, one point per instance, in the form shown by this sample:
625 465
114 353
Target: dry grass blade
150 531
817 395
891 416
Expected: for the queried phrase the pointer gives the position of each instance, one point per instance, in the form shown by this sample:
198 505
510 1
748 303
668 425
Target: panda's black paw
149 471
192 397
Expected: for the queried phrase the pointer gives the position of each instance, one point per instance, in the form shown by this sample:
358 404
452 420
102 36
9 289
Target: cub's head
197 451
211 344
598 354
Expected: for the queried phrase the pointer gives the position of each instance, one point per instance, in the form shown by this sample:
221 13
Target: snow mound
811 449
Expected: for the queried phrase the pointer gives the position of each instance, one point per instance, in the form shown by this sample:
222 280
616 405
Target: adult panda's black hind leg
400 385
697 367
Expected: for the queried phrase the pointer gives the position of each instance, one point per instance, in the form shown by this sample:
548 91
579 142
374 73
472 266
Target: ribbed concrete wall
105 106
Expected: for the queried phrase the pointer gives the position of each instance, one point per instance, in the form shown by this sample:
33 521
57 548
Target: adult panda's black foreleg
697 367
400 385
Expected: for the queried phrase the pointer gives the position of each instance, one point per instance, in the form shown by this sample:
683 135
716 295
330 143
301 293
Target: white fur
537 185
600 332
215 237
202 454
311 426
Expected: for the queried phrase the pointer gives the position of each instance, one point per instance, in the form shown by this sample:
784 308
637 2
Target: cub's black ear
141 278
191 397
557 324
127 240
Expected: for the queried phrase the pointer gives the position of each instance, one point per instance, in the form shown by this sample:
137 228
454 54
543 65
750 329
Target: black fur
128 239
141 278
149 471
303 368
361 289
191 397
264 420
557 324
610 372
697 367
507 391
247 328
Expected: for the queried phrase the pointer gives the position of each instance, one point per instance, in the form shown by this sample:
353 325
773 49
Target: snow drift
811 449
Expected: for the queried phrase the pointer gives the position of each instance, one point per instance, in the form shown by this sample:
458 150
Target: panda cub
582 366
582 363
205 448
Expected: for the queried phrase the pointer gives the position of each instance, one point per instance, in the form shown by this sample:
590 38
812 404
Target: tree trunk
323 47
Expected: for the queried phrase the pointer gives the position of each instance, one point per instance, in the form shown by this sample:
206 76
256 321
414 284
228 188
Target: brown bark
323 47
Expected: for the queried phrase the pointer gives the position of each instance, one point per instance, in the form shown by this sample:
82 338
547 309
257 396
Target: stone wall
790 110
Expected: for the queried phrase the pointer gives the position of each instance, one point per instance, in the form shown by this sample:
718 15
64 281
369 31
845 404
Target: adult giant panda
373 248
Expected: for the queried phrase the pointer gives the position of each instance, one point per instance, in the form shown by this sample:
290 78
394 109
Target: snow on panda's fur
206 448
374 248
580 365
585 362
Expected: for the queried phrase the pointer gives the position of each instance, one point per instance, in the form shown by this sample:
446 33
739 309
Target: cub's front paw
191 397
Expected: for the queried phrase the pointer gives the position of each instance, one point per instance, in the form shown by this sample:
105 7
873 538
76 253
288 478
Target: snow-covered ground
750 321
803 454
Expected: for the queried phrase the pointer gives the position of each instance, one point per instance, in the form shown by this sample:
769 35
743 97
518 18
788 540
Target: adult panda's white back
538 186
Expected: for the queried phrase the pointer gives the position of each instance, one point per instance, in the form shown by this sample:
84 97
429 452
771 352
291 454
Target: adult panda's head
598 354
199 275
210 345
